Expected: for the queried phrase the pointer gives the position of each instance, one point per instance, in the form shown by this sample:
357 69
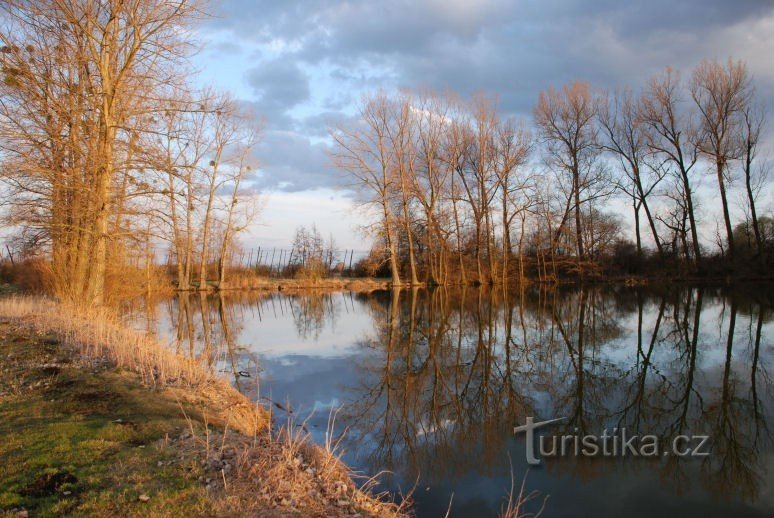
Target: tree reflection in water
443 376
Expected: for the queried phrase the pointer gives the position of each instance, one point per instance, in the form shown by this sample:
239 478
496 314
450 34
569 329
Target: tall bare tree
672 135
224 129
721 95
431 182
81 78
625 138
512 147
236 220
364 152
752 126
401 130
566 120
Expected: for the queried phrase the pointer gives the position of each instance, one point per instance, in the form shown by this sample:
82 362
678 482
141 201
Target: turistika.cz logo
616 443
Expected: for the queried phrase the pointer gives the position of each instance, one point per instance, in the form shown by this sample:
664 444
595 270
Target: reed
99 335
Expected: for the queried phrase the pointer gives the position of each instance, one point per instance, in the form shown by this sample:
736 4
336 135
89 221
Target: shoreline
194 442
366 285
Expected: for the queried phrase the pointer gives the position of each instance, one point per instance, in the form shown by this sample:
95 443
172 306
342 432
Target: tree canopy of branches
101 137
466 194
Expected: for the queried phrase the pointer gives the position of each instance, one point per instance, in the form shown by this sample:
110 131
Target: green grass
77 439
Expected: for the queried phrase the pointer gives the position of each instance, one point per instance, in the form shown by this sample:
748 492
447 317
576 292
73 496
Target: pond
425 388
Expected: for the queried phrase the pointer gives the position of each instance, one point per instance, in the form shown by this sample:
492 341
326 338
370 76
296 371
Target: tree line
465 194
107 150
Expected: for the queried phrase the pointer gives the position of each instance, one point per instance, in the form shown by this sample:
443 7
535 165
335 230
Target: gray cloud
330 51
289 161
279 85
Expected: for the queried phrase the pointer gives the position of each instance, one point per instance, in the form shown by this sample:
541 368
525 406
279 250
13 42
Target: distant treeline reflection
445 375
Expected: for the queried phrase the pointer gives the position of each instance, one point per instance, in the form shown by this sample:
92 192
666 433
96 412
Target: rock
143 498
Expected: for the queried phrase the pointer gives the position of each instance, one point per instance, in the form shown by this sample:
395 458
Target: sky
304 65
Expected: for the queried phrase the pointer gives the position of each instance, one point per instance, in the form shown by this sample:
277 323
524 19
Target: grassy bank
97 419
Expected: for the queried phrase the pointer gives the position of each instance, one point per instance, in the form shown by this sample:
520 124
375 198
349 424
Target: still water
426 387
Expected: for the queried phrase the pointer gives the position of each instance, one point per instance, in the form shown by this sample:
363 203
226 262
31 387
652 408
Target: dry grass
285 472
252 468
515 507
99 335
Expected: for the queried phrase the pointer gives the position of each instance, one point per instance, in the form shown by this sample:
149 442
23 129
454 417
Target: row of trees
463 193
105 148
311 256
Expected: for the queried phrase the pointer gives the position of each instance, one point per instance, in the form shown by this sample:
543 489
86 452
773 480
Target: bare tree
721 95
671 135
627 141
431 181
512 147
224 130
105 64
404 156
566 120
475 139
753 122
236 220
364 152
179 149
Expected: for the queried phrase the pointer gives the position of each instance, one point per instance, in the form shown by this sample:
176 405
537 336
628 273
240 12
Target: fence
274 261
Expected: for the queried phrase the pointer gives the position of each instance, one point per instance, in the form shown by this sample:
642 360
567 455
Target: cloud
306 63
278 85
292 162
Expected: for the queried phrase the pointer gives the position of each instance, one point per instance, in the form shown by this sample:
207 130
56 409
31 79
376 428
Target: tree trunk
206 232
636 207
391 243
578 227
720 165
691 217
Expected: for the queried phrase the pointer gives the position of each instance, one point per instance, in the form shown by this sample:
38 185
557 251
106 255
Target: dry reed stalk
98 334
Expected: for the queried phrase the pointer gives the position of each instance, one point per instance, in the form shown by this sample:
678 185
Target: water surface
427 386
